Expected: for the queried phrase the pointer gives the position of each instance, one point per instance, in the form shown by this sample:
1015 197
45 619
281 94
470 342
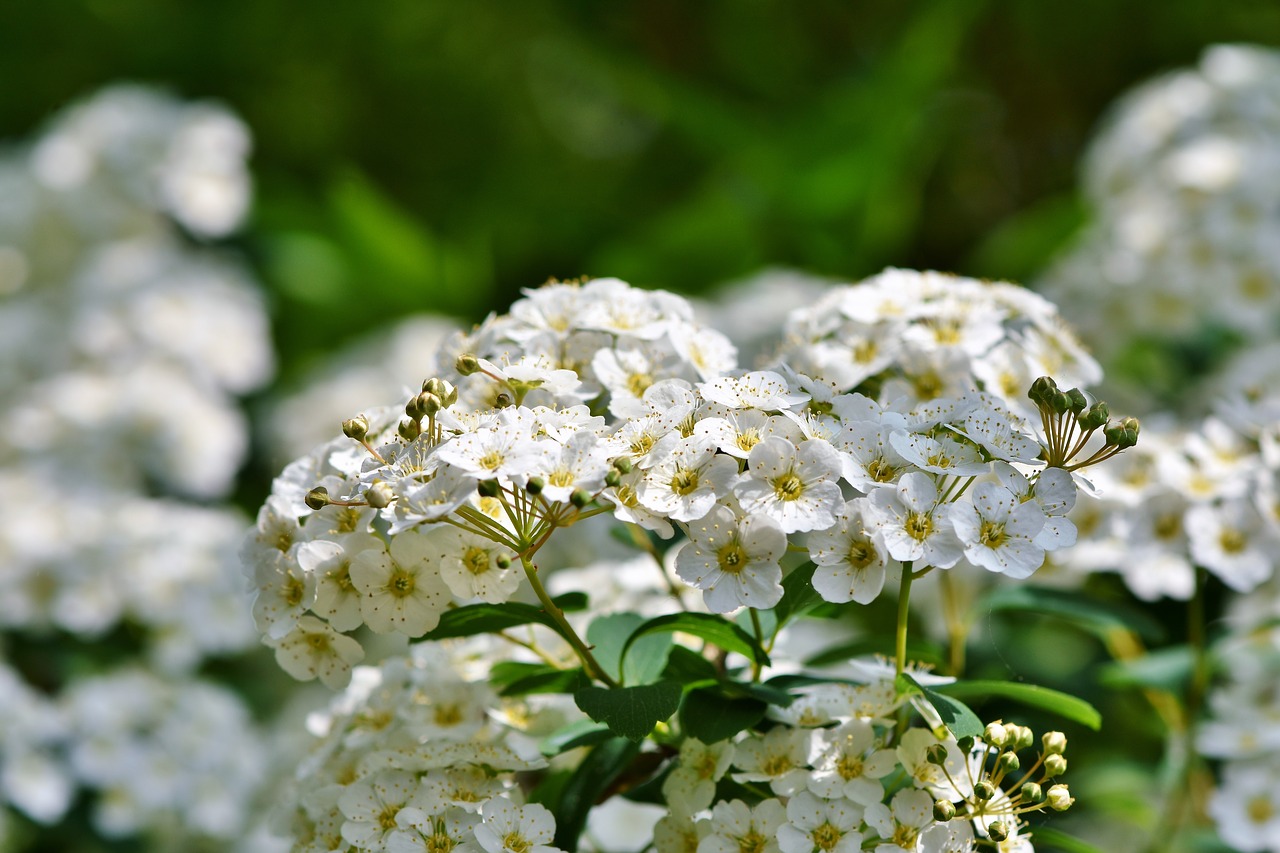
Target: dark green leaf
630 712
575 734
512 678
587 785
955 715
706 626
798 596
1062 704
646 657
1054 839
490 618
710 716
1100 618
688 667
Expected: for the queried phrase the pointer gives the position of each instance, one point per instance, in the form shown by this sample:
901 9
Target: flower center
881 471
1260 809
1232 540
919 526
562 477
865 351
748 439
294 590
776 765
862 553
849 767
476 560
788 487
752 842
440 842
991 534
447 715
318 642
1167 525
826 837
516 843
387 817
401 583
684 481
491 460
732 558
638 383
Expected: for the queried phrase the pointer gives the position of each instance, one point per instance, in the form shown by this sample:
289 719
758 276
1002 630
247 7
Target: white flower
337 600
795 486
686 477
452 830
313 649
941 455
847 762
777 757
869 457
1230 540
734 561
370 807
760 389
995 431
401 590
738 431
901 823
691 786
998 531
285 591
814 824
734 827
850 559
912 523
508 828
468 563
953 780
581 462
504 451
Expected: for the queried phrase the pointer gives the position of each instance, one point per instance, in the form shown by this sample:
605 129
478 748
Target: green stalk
904 599
589 663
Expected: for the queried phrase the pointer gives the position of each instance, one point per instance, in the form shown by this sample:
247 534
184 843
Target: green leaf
1055 839
588 784
630 712
1063 704
917 650
512 678
710 716
798 596
490 618
575 734
705 626
1100 618
955 715
1164 669
646 658
688 667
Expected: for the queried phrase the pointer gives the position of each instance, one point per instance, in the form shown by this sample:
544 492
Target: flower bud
503 401
502 561
1022 738
997 831
535 485
1060 403
1094 416
1076 401
1055 743
983 790
1042 390
613 478
1059 798
966 744
409 429
429 404
356 428
623 464
413 408
996 735
317 498
467 364
1054 765
1032 794
580 498
489 488
943 810
936 754
379 495
1007 762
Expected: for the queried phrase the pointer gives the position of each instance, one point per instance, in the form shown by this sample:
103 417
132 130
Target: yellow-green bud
535 485
409 429
943 810
997 831
996 735
1022 738
1059 798
503 400
356 428
580 498
413 408
379 495
489 488
1055 743
502 561
1042 390
623 464
1032 794
429 404
1007 762
317 498
1076 401
1094 416
613 478
467 364
1054 765
983 790
936 754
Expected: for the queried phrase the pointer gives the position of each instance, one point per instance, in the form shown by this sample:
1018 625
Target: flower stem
589 663
904 600
759 631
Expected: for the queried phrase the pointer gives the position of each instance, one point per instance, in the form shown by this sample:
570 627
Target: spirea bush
755 501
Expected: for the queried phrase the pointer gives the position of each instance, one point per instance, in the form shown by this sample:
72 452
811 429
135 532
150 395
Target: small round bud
356 428
317 498
1076 401
983 790
535 485
413 408
503 401
1042 389
1054 765
1059 798
489 488
997 831
996 735
1021 738
429 404
936 754
943 810
623 464
1055 743
379 495
580 498
1007 762
1094 416
613 478
502 561
1060 403
409 429
1032 794
467 364
966 744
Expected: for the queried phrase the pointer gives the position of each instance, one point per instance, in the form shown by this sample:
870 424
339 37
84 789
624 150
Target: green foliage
1086 612
710 716
646 657
705 626
1062 704
473 619
955 715
630 712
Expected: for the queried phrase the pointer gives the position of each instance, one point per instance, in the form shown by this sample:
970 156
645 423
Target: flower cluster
1182 181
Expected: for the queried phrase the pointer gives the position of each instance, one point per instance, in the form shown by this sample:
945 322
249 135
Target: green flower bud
489 488
429 404
535 485
317 498
936 754
409 429
1042 390
965 744
1076 401
1054 765
1032 794
623 464
1022 738
379 495
467 364
997 831
983 790
503 401
356 428
1007 762
502 561
613 478
1059 798
1060 403
1094 416
996 735
413 408
580 498
943 810
1055 743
